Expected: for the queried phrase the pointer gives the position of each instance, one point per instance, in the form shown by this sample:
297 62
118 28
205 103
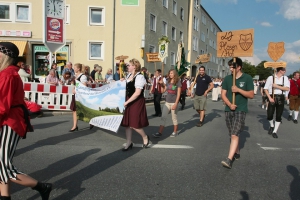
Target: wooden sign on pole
275 51
238 43
204 58
153 57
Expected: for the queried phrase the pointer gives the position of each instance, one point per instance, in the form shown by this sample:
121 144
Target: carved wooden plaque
204 58
274 64
153 57
239 43
276 50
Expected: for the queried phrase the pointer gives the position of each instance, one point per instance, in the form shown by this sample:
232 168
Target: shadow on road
53 141
245 195
48 125
243 137
295 184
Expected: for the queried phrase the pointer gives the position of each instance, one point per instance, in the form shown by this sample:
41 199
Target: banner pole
233 79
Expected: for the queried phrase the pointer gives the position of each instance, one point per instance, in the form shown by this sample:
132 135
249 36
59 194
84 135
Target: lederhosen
278 105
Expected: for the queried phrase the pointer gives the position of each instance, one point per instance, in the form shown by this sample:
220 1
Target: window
152 22
22 13
181 35
151 49
195 43
67 14
181 14
5 12
196 4
174 33
164 28
172 58
15 12
207 33
203 36
195 23
165 3
96 50
203 19
96 16
175 7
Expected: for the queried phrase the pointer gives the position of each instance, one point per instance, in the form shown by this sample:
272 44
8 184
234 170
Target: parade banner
163 50
102 106
204 58
152 57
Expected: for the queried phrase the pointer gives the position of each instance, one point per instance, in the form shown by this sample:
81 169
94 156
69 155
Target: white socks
271 123
291 112
296 115
276 126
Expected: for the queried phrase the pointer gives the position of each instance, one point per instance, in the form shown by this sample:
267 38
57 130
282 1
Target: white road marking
163 146
277 149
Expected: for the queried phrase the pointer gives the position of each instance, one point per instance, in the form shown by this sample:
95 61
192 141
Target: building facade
97 31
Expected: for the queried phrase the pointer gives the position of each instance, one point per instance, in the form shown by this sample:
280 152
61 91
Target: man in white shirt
276 101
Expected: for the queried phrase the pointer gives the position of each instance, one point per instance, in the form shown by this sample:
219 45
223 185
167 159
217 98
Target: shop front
41 57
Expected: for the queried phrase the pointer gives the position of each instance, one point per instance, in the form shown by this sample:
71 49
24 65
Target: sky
272 21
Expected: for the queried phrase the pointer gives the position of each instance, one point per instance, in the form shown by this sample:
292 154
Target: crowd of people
15 120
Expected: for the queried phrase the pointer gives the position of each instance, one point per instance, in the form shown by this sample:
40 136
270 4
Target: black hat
9 49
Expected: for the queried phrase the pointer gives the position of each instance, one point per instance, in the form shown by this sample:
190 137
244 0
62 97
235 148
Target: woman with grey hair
14 124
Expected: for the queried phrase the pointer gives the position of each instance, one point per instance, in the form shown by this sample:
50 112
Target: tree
249 69
263 72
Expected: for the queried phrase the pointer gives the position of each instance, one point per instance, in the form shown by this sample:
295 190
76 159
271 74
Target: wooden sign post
275 51
239 43
153 57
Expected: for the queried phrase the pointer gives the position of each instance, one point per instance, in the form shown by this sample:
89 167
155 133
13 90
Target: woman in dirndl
135 114
14 123
79 76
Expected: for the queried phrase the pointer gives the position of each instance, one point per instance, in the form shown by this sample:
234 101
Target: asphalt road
89 165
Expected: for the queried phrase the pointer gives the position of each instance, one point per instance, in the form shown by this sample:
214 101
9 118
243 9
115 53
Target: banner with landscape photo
103 106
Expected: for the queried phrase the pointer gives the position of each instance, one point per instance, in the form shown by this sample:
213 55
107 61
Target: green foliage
163 38
184 65
249 69
263 72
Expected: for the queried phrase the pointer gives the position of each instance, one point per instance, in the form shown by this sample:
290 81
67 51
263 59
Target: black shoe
270 130
157 135
5 198
146 145
72 130
274 135
199 124
295 121
159 115
289 118
236 156
227 163
91 126
182 107
155 115
129 147
44 189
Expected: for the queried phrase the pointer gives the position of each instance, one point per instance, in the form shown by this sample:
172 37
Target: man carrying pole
275 90
236 89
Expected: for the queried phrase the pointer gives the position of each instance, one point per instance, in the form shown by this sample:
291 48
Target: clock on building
55 8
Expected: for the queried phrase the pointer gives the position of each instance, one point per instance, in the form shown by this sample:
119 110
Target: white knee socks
276 126
271 123
296 115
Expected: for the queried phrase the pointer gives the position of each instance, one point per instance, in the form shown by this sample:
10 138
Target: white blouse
83 78
140 80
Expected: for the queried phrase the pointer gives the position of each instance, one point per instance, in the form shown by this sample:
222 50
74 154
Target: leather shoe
159 115
274 135
295 121
270 130
155 115
91 126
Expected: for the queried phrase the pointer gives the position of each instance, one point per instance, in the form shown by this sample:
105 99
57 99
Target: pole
155 66
273 95
233 80
162 69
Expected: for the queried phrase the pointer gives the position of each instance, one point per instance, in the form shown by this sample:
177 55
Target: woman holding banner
79 76
135 114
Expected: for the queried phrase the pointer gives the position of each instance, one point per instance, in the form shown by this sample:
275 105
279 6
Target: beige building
97 31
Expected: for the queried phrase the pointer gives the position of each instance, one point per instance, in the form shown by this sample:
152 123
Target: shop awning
20 44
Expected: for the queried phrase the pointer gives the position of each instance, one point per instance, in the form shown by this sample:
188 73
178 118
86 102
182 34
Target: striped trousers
8 144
